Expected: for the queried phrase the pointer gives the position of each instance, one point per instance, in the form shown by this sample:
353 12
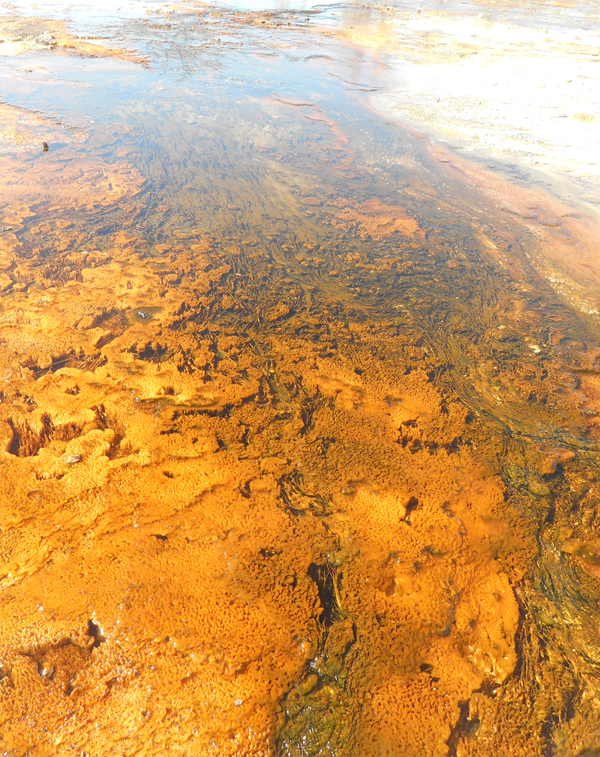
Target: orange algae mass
411 711
192 531
158 629
224 538
84 185
376 220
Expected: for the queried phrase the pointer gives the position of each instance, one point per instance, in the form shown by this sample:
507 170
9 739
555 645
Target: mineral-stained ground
315 479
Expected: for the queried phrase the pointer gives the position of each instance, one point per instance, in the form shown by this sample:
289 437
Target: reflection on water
299 433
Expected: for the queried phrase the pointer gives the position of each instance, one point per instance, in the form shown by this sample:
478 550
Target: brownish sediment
566 256
514 83
20 127
20 35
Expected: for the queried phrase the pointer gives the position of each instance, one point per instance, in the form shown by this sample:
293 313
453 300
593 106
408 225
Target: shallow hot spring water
299 432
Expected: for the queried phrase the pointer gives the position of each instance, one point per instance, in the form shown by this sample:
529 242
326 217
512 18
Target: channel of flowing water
299 411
